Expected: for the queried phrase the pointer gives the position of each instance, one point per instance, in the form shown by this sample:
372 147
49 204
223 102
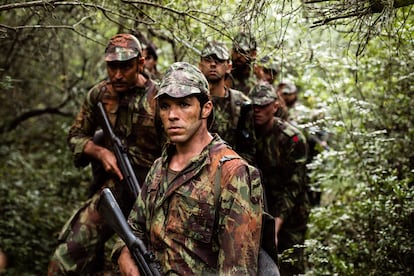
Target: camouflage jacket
180 223
281 157
132 115
234 122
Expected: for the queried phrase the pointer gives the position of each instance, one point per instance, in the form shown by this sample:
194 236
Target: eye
163 106
183 104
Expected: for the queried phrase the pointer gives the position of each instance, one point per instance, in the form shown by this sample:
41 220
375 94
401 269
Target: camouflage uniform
195 223
233 115
233 120
132 116
281 157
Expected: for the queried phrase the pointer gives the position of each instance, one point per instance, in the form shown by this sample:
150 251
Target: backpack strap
217 185
237 99
217 178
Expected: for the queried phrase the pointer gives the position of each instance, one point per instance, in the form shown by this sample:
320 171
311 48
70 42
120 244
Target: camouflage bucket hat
122 47
183 79
245 42
263 94
216 48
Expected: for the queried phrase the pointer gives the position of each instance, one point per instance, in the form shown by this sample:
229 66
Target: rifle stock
120 153
109 209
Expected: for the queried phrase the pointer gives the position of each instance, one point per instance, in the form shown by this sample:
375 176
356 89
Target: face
263 114
123 74
183 118
214 69
241 58
150 62
289 98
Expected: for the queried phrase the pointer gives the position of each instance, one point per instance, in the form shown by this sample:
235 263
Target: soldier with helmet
200 209
128 98
281 152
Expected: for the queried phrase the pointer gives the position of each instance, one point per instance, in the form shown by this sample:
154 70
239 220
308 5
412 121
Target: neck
264 129
217 89
141 80
190 149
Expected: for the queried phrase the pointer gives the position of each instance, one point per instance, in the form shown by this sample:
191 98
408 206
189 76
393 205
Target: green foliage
366 221
39 189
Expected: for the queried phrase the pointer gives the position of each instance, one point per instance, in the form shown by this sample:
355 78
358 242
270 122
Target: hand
127 265
104 155
109 162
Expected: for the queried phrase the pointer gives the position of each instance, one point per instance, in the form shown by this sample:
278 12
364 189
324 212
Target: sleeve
83 128
240 221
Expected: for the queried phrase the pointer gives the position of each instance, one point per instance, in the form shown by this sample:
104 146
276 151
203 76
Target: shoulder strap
217 178
237 99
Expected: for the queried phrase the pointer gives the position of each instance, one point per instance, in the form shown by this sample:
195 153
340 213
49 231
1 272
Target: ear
207 109
140 63
276 105
229 66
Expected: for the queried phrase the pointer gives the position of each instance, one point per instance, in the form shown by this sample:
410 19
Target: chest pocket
190 215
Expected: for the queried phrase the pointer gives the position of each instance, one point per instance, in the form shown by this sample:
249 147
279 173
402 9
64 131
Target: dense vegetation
356 69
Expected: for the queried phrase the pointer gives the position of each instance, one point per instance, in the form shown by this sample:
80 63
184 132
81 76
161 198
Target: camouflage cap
216 48
263 94
245 42
182 79
269 62
287 87
123 47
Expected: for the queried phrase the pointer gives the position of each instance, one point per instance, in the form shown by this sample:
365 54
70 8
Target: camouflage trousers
82 240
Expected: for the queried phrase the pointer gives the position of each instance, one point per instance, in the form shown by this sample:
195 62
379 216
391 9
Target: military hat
245 42
182 79
263 94
288 87
216 48
269 62
122 47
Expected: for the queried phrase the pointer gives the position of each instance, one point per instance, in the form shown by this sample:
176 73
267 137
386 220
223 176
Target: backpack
266 265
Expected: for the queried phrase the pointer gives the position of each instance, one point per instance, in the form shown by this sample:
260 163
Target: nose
173 113
118 74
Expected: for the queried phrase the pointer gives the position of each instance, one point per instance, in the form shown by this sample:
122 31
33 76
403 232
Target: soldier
243 55
195 222
307 120
281 157
129 101
233 115
267 69
151 60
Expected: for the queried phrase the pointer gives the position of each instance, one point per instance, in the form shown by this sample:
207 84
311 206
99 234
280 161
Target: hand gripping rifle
144 259
120 152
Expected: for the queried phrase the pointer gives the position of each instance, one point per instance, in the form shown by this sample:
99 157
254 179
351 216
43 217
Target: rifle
120 152
110 211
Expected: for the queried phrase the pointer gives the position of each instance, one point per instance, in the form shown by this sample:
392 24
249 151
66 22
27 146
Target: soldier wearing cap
267 69
200 208
243 55
151 60
281 156
233 115
128 98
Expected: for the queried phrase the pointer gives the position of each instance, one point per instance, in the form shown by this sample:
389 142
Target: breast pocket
191 217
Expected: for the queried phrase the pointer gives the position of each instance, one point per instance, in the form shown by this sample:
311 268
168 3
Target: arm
240 221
